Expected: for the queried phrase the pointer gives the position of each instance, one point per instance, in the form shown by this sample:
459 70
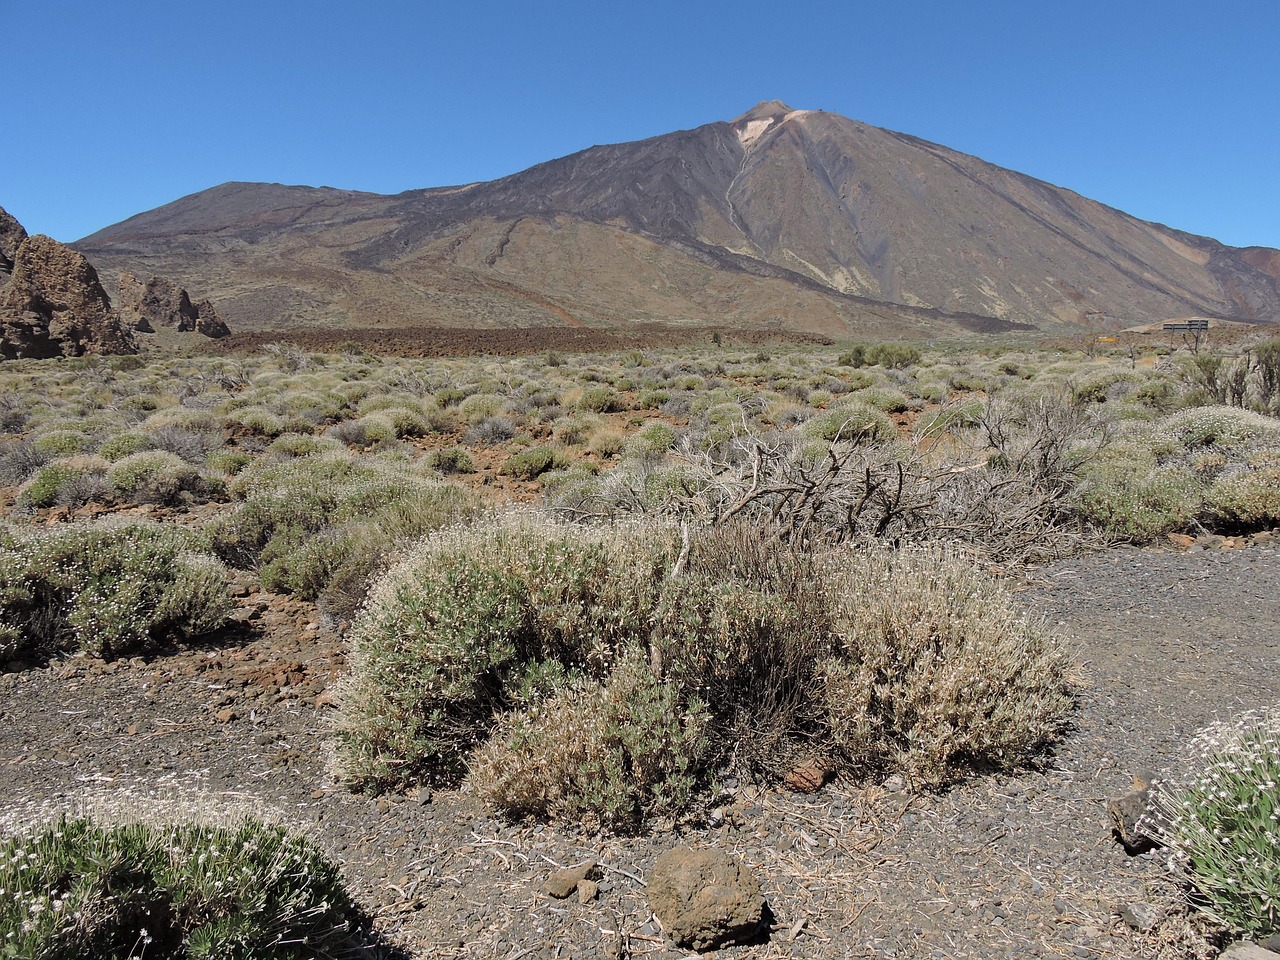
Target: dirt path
1020 865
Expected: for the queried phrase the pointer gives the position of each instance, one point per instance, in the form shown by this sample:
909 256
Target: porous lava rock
705 898
12 234
159 302
54 305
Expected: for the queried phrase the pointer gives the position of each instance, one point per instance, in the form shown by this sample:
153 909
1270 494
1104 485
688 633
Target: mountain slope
781 218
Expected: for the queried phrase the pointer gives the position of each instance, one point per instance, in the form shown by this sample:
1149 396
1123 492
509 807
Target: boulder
129 296
146 305
705 898
11 236
156 303
208 322
54 305
1128 812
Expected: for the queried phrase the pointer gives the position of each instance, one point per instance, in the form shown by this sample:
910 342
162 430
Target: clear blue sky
1168 110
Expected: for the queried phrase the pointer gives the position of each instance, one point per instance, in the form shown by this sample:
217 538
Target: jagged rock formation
54 305
208 322
162 303
785 219
11 236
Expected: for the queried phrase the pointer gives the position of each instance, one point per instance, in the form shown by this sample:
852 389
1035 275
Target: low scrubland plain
593 588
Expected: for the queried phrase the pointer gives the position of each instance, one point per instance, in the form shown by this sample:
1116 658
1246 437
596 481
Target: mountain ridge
778 217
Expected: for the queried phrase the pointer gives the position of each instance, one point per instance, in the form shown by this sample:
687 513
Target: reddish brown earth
460 342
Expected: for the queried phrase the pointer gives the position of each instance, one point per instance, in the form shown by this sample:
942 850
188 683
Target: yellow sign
1106 339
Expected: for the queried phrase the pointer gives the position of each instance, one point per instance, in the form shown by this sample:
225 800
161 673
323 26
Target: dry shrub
750 628
609 672
938 673
602 754
448 633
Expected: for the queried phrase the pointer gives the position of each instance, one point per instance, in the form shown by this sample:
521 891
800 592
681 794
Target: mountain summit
764 110
780 218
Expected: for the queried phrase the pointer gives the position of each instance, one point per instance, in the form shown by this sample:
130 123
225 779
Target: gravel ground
1021 865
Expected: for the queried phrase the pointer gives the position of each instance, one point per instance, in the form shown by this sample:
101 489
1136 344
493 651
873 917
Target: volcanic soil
1014 865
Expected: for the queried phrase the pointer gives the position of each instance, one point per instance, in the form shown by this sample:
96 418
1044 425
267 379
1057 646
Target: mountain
779 219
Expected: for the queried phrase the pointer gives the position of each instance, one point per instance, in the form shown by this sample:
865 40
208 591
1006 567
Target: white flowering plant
1222 823
248 891
107 588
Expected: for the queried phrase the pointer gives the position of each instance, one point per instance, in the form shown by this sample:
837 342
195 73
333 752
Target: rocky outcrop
11 236
147 305
208 322
705 898
54 305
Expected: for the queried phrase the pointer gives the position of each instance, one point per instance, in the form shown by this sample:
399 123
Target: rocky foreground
1019 866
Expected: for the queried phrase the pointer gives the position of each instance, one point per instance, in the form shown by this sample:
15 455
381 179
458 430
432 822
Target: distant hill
779 219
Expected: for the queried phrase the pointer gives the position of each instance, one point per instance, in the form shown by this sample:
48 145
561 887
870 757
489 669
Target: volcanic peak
764 110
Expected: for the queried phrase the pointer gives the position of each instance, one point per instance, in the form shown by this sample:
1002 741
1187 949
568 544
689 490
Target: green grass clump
1221 819
158 476
176 892
108 589
534 462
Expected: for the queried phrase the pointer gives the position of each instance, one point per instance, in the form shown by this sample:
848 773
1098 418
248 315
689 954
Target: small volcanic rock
564 882
705 898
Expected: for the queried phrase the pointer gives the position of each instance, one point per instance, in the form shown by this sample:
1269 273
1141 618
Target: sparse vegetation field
589 589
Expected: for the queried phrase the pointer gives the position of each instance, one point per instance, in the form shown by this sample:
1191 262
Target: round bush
851 422
1249 499
1219 426
469 608
247 892
122 445
108 589
156 476
69 482
61 443
938 672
